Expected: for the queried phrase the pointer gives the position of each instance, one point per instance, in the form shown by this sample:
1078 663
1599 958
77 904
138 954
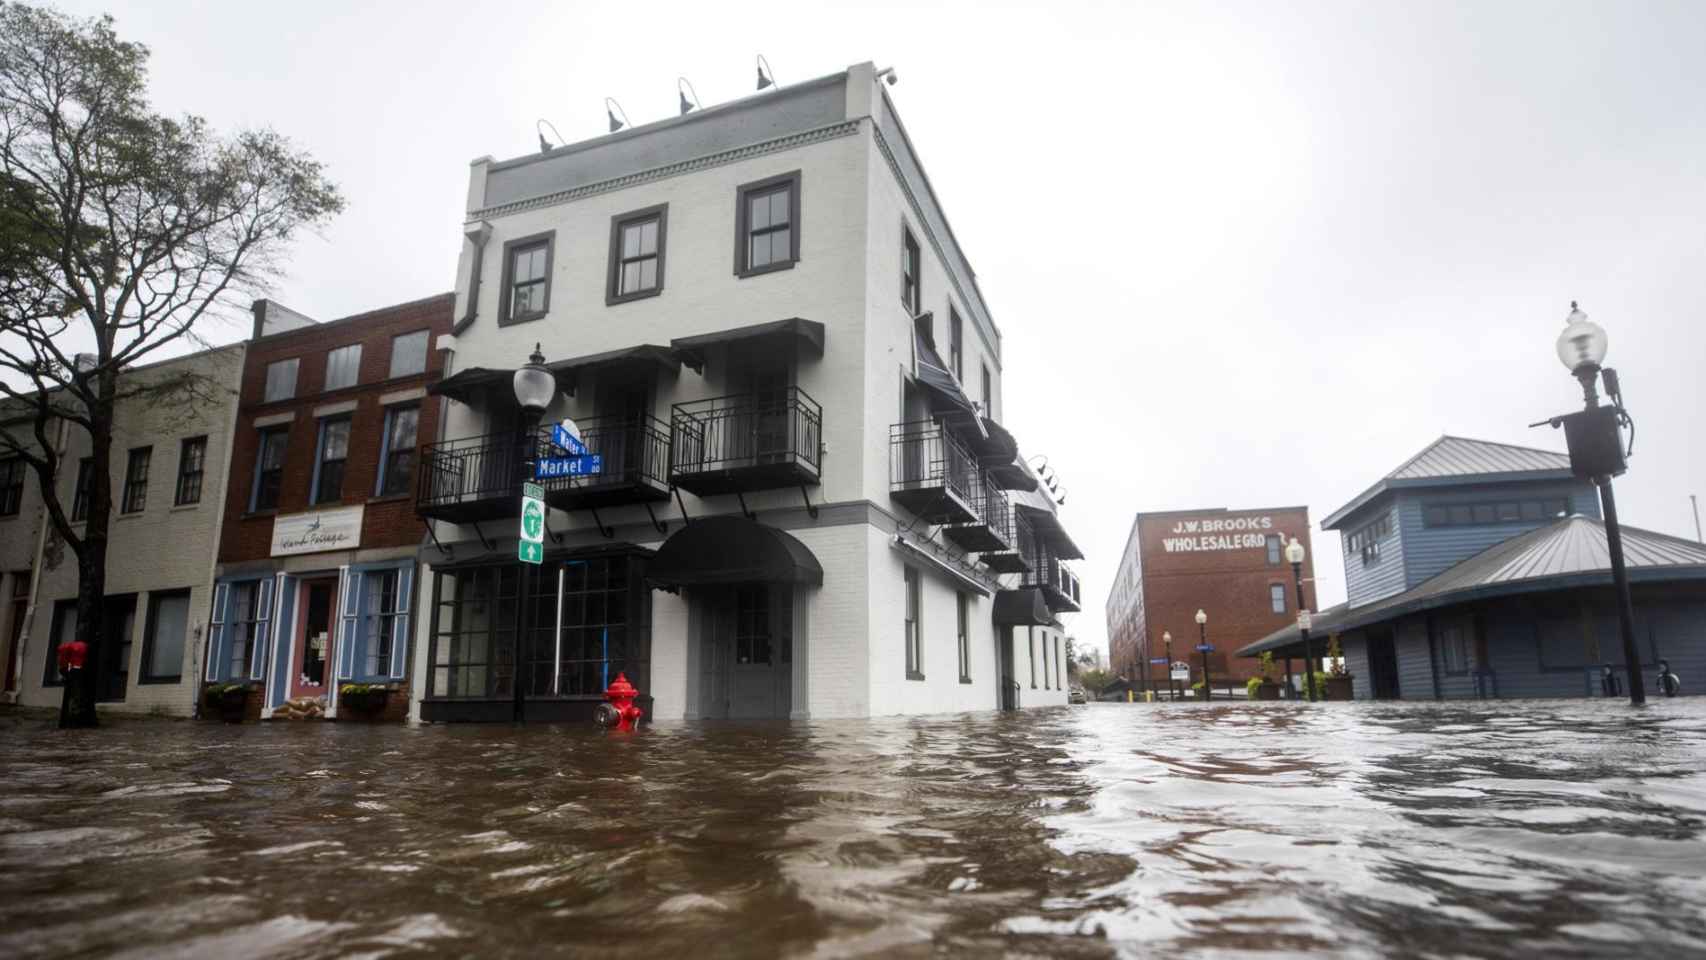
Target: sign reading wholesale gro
317 530
1218 533
531 547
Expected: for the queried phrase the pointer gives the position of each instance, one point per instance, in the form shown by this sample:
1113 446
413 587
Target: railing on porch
747 441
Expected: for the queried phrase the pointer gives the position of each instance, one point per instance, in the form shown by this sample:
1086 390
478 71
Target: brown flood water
1549 829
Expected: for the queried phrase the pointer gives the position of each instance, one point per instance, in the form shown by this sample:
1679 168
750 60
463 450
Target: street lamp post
1172 691
1202 643
1596 450
535 387
1294 554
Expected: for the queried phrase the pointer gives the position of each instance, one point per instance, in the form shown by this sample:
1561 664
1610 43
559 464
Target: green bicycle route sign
531 547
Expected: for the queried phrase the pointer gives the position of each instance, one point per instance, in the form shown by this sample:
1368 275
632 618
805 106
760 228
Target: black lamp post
1294 554
1172 691
1202 643
535 387
1596 451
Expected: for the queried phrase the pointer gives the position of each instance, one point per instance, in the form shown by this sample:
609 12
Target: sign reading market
1218 533
317 530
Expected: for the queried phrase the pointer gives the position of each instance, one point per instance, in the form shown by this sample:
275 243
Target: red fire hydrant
620 711
72 656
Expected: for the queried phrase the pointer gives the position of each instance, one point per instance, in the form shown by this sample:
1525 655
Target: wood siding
1368 582
1428 552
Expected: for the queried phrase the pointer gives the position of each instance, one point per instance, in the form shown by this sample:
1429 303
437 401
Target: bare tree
122 231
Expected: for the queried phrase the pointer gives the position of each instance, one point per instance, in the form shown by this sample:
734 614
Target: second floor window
11 486
1276 597
1273 550
281 380
408 354
343 367
988 392
192 460
636 254
956 344
397 459
80 494
527 279
136 480
767 234
911 287
1366 539
269 469
334 453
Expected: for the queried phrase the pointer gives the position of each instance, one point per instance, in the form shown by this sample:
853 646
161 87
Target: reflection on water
1515 829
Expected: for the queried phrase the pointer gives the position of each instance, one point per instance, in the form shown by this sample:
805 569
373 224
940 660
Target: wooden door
317 625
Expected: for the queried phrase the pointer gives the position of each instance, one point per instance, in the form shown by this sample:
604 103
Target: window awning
732 549
691 350
466 385
1000 449
568 371
947 400
1046 523
1013 476
1022 608
954 573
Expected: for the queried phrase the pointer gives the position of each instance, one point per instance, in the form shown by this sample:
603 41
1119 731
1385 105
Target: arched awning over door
729 549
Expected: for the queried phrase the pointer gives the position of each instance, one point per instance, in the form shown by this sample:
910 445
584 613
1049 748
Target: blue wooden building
1480 569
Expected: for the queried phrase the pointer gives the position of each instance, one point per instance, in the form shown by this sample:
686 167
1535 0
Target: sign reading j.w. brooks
318 530
1218 533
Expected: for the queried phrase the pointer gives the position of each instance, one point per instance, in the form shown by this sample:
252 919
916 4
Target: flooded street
1501 829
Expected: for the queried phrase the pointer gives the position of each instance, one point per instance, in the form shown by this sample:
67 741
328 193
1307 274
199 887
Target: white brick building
804 503
169 464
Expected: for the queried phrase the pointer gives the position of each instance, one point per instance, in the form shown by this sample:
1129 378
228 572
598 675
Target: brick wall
1230 585
387 521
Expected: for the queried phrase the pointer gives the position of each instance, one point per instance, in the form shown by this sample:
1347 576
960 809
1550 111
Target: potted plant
1338 681
229 700
1263 686
363 700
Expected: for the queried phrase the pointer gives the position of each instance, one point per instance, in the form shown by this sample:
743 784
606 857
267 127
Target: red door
317 600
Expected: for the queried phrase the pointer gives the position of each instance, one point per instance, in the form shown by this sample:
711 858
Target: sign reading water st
531 547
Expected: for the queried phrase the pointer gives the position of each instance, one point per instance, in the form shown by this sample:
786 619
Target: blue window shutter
263 624
349 630
400 627
216 632
284 623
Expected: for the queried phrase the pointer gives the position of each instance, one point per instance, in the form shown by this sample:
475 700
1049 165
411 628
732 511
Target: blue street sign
1157 659
1205 648
549 468
568 437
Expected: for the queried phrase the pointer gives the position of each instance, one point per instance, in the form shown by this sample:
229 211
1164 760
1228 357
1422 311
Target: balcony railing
931 473
1058 583
633 453
752 441
992 530
466 481
1015 556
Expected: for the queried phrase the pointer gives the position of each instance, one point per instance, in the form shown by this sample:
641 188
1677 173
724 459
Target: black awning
808 333
468 384
730 549
947 400
568 371
1013 476
1022 608
1047 525
1000 449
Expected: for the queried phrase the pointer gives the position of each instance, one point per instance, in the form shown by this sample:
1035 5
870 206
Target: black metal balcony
470 480
931 473
1058 583
746 442
1015 555
633 455
992 531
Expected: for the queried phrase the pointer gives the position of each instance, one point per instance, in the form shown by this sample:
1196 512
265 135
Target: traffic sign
1303 620
1205 648
1181 670
1158 660
531 546
548 468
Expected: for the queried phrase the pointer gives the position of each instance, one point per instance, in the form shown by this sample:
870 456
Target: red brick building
315 583
1228 563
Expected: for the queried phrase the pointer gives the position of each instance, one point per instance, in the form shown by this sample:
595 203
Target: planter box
1338 688
363 706
1267 691
229 707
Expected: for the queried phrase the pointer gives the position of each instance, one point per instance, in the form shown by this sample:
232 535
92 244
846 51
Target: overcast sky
1242 255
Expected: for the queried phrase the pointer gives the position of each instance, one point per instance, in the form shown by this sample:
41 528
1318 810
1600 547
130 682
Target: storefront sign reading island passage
1219 533
317 530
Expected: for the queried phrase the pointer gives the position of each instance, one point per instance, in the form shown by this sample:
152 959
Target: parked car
1075 695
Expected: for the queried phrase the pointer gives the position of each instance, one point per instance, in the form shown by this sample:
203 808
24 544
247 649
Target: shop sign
1181 670
317 530
1218 533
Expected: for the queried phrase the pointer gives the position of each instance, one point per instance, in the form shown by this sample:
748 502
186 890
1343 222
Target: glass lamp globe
1166 637
1202 617
535 385
1294 552
1583 342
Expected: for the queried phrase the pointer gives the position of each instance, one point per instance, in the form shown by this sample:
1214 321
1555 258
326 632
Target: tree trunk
78 708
